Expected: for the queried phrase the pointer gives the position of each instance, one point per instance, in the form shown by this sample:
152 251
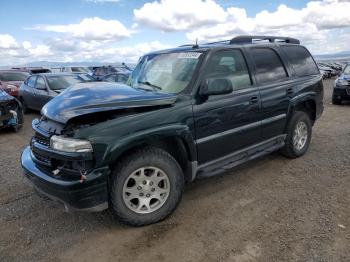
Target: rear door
227 123
276 89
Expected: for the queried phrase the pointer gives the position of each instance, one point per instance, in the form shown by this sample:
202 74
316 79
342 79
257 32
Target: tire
24 106
126 207
290 149
336 101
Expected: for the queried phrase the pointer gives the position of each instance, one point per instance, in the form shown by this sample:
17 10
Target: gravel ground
272 209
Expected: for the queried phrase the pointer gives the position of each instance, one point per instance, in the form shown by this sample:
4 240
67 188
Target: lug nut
139 188
148 195
151 183
153 189
141 194
144 182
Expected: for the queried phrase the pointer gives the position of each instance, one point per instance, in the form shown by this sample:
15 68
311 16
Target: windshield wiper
150 84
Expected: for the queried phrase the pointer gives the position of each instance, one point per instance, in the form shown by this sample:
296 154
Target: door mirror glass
216 86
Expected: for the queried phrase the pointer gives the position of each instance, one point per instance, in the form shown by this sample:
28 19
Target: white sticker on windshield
191 55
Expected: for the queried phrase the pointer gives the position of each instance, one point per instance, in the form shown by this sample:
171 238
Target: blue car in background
341 91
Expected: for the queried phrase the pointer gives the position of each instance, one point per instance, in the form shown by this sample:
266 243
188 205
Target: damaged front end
66 159
11 115
66 174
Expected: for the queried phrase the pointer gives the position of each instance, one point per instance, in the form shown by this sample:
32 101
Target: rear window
301 60
13 76
268 64
62 82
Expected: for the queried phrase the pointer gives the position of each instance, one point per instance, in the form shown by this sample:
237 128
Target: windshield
347 70
13 76
62 82
170 73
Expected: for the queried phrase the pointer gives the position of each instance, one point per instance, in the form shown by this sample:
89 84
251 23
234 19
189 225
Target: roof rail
244 39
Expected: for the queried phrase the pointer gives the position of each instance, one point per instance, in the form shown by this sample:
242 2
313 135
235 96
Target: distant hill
343 56
58 64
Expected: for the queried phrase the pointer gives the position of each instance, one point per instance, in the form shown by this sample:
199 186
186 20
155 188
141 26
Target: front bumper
88 195
342 93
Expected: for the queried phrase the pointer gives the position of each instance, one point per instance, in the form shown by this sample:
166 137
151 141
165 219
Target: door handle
254 100
290 91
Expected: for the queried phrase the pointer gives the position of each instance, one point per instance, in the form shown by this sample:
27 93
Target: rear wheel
336 101
299 131
145 187
24 105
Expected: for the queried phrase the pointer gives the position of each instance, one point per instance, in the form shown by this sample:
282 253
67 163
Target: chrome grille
41 139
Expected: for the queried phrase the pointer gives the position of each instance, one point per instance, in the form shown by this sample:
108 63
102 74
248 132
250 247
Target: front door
230 122
42 93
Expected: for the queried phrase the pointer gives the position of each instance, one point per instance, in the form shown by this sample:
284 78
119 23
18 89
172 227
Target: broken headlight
67 144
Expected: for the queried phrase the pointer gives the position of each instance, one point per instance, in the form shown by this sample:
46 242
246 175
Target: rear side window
268 64
301 60
231 65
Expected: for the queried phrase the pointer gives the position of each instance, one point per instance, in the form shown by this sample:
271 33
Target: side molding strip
241 128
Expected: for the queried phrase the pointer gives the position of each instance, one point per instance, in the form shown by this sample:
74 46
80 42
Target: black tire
144 157
289 150
24 106
336 101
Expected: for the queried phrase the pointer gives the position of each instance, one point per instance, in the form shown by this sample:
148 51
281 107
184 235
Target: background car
37 90
33 70
116 77
341 89
11 114
11 80
74 69
99 72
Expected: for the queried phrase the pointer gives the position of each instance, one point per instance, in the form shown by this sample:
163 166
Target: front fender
114 151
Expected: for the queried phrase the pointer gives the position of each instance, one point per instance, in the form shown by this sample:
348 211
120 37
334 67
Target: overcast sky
122 30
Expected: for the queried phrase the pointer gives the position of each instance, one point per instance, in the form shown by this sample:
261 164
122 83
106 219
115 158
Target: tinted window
268 65
40 83
13 76
230 65
31 81
301 60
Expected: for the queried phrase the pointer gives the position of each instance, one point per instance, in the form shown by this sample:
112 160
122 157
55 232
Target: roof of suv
237 41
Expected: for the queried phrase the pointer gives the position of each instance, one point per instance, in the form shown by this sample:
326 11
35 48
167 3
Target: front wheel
145 187
336 101
299 131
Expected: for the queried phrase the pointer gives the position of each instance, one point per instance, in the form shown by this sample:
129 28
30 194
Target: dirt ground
272 209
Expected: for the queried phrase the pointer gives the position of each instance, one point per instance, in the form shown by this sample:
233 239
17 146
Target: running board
227 162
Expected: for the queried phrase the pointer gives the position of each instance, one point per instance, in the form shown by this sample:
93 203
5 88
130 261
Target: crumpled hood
4 97
86 98
14 83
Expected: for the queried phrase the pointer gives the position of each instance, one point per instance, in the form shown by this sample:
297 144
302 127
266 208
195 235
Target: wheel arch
176 140
306 103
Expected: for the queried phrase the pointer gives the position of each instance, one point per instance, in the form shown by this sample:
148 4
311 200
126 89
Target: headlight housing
342 82
12 88
67 144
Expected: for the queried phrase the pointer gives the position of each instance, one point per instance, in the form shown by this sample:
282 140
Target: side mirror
217 86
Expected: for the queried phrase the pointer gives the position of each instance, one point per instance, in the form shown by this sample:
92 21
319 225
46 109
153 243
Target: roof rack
246 39
243 39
